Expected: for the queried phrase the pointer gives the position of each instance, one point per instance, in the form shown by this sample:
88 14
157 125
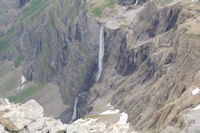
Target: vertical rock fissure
101 52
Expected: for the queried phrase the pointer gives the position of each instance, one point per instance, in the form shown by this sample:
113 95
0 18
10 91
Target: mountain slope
150 62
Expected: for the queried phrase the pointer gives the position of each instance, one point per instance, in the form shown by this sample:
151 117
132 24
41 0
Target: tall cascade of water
101 52
74 110
136 2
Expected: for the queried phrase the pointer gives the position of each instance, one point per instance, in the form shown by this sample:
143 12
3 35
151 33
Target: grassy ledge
4 41
26 93
97 8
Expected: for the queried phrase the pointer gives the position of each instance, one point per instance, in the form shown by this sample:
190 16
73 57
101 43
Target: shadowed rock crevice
126 64
21 3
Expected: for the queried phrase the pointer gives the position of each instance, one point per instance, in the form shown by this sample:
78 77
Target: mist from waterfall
101 52
74 110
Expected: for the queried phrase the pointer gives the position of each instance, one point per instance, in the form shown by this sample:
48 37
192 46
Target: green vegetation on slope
26 93
49 49
91 116
5 68
45 70
73 9
35 8
64 97
18 60
52 21
45 66
9 82
5 42
97 9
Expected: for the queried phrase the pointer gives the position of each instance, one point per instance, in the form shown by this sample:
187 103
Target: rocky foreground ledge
29 118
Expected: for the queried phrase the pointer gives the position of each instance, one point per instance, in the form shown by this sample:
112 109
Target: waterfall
101 52
74 110
136 2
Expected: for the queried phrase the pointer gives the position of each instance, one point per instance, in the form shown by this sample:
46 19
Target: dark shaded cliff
21 3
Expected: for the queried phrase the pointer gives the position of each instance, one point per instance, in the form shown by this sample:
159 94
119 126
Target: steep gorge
150 59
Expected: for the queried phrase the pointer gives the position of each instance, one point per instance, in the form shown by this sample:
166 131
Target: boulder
36 125
4 105
32 110
17 118
54 126
95 126
24 130
1 129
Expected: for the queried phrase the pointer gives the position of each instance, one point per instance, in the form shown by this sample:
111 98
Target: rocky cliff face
152 75
55 45
150 63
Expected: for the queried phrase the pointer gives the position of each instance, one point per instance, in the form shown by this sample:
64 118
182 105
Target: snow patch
197 107
22 84
18 88
108 105
195 91
123 119
22 87
23 79
110 112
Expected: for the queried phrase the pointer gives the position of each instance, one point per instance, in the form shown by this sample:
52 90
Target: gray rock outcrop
15 118
28 118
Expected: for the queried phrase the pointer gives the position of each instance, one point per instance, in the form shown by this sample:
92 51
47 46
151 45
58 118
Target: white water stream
100 62
136 2
101 52
74 116
74 110
102 43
